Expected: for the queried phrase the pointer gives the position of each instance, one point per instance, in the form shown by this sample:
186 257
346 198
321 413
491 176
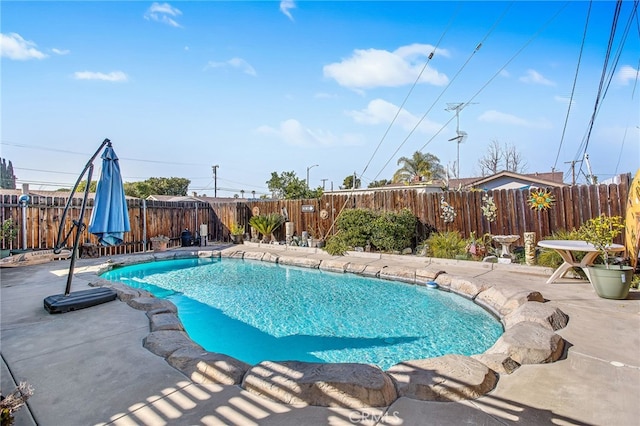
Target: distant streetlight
253 194
309 168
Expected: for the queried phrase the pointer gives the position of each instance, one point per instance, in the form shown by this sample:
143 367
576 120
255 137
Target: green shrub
446 245
387 231
336 245
394 231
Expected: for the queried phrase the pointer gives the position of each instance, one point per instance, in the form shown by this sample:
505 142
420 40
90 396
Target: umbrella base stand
60 303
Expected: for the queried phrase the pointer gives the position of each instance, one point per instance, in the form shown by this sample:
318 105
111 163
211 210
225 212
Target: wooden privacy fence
573 206
43 216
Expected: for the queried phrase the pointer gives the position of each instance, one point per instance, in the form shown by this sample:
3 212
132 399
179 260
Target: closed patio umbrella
109 221
110 218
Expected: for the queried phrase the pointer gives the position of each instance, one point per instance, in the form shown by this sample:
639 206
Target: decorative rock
408 250
165 342
254 255
396 273
143 258
166 309
427 274
500 363
325 385
165 321
505 300
207 253
446 378
444 280
163 255
529 343
270 257
148 303
304 262
540 313
468 287
185 254
208 367
355 268
238 254
371 271
334 265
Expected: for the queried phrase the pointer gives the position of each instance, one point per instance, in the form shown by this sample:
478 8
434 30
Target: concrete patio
89 367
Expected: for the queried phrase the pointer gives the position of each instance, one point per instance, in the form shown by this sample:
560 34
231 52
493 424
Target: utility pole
215 180
323 182
573 170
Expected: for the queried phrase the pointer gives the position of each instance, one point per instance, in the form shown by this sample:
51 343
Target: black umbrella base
59 303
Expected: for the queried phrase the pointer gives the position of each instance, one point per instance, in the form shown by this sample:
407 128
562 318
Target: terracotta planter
611 283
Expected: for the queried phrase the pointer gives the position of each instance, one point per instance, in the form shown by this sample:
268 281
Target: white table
566 248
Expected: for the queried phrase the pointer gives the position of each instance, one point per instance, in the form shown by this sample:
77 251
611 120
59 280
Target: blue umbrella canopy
110 218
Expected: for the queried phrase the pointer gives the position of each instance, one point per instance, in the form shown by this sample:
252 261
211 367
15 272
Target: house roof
550 179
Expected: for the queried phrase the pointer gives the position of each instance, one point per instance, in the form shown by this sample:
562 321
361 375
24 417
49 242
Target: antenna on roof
462 135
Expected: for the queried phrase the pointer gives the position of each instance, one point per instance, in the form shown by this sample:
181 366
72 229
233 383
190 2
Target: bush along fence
498 212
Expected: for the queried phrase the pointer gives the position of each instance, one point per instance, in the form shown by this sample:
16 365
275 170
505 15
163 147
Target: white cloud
505 74
379 111
493 116
380 68
60 51
534 77
285 6
13 46
627 74
292 132
163 13
564 100
115 76
237 63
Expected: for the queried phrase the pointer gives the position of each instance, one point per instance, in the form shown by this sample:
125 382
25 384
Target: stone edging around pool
529 338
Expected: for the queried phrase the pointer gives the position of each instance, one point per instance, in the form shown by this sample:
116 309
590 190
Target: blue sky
268 86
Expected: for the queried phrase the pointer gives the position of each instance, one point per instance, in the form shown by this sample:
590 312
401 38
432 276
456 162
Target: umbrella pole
79 225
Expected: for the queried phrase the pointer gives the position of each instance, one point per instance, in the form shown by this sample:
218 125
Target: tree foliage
7 178
379 183
419 167
348 183
501 157
288 186
157 186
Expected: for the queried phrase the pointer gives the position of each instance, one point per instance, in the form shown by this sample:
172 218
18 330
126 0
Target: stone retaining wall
529 338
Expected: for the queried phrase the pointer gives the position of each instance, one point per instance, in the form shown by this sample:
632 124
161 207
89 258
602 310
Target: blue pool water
257 311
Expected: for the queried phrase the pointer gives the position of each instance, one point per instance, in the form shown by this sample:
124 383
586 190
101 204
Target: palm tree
421 166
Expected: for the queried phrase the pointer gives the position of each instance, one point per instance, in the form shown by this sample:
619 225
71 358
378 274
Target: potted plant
160 242
609 281
266 225
9 232
237 233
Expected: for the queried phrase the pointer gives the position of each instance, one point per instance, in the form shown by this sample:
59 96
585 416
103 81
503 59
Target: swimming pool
257 311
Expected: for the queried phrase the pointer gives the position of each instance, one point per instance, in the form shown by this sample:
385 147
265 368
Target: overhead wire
497 73
413 86
633 91
418 77
573 88
599 94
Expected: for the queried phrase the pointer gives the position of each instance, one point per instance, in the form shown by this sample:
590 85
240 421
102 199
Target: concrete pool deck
89 366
